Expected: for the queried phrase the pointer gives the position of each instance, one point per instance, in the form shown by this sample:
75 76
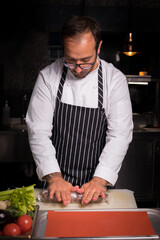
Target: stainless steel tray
34 222
27 235
154 216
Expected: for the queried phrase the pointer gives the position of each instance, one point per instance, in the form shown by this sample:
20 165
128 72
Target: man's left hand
93 189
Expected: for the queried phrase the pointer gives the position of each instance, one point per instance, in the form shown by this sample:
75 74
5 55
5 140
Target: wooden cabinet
141 166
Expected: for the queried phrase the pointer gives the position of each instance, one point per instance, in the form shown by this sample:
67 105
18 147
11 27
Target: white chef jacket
80 92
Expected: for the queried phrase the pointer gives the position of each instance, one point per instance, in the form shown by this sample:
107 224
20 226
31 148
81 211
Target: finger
80 190
103 195
58 196
65 197
51 194
75 188
68 197
87 197
95 196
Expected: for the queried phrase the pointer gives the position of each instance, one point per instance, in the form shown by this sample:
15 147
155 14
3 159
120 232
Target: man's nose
78 69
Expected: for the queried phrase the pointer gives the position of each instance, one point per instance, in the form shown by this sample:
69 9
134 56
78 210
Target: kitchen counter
40 223
146 130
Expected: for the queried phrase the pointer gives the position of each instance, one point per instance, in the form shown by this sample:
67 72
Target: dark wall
26 26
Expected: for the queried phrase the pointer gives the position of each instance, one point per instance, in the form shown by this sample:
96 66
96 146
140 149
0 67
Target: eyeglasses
81 65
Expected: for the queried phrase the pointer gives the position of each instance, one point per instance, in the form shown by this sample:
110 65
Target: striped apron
79 135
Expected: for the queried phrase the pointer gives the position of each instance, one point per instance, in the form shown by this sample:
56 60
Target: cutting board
118 198
98 224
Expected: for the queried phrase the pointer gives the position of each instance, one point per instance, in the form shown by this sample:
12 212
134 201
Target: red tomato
11 229
24 222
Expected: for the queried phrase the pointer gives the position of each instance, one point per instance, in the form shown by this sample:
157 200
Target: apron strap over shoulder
100 86
61 83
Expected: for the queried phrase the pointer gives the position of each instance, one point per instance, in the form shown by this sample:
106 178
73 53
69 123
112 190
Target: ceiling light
130 48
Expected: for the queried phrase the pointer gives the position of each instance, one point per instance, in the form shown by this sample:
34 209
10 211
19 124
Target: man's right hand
59 187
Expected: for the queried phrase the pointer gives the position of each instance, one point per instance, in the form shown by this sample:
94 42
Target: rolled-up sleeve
120 128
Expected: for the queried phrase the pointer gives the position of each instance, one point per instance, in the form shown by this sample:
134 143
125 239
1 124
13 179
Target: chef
79 118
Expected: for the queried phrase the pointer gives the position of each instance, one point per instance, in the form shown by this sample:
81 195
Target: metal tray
34 222
26 235
153 214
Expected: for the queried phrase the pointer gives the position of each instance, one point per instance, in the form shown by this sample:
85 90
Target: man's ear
99 47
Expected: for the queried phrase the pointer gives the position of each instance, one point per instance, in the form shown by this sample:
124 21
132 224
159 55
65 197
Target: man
79 117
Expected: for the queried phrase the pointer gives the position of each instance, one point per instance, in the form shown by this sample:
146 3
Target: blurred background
30 39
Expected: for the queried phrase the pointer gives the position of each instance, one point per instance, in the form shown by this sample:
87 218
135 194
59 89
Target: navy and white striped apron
79 135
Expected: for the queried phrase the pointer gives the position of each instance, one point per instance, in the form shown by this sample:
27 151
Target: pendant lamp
130 48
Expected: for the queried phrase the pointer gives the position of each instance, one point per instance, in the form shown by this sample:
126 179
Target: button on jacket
82 93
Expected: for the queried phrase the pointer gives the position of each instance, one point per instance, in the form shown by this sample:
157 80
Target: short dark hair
80 24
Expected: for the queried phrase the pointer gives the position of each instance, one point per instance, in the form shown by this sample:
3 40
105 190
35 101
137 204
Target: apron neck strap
62 81
100 86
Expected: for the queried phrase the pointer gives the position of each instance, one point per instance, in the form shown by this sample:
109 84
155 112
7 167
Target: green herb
21 199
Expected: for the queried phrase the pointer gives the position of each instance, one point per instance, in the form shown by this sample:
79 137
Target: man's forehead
87 57
80 37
